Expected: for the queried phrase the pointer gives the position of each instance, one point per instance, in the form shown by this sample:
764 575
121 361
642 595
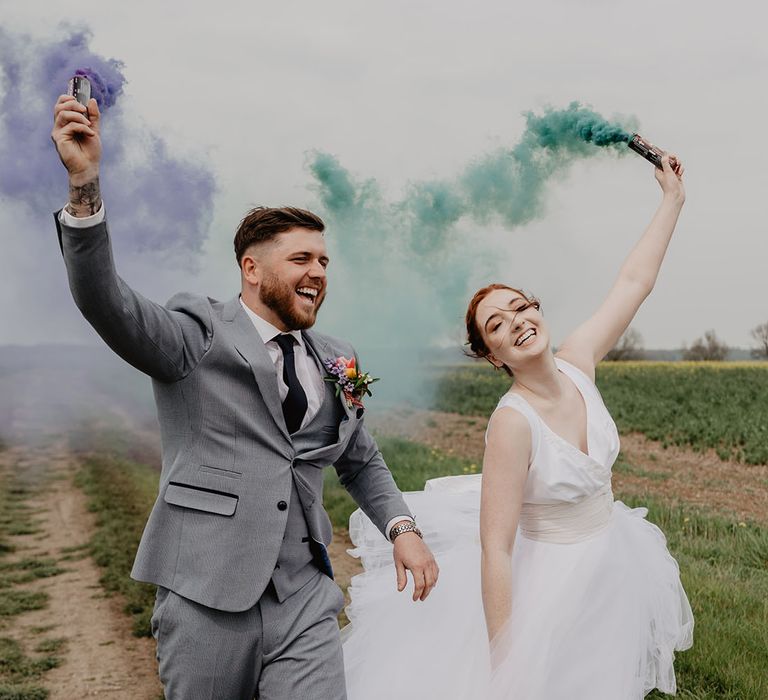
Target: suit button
282 505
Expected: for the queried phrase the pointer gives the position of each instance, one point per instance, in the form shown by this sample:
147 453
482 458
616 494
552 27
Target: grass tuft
22 692
14 602
121 494
17 669
51 646
27 570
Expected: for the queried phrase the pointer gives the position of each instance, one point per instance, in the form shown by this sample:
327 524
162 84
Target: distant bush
709 348
760 334
629 347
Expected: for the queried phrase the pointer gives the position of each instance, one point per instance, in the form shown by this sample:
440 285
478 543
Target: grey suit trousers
273 651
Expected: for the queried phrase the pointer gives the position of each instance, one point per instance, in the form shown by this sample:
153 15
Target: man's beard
281 298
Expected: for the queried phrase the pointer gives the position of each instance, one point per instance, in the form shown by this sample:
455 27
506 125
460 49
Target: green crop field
718 405
724 564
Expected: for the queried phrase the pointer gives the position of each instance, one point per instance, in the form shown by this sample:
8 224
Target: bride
580 598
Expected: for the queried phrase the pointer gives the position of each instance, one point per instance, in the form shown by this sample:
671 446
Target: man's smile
308 295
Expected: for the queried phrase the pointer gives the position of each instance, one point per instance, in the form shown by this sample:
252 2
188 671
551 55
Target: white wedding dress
598 609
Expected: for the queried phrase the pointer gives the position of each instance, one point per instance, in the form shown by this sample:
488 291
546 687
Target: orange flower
350 381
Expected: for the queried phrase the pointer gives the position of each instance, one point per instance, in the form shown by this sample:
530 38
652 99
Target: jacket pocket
220 471
197 498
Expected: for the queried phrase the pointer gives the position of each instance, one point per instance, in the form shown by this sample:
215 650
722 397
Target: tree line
707 347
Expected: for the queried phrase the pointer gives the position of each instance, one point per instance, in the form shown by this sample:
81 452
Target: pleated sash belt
566 523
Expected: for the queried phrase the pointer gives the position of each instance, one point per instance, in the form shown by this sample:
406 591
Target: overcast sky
402 91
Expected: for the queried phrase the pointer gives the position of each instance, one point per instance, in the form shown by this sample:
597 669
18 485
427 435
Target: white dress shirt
308 372
306 367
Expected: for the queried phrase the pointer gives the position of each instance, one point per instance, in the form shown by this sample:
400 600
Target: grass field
724 568
718 405
724 564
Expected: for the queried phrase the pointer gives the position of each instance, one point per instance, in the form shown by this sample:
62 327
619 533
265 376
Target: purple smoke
104 92
157 202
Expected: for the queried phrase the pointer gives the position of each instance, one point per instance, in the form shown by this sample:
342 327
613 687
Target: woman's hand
670 178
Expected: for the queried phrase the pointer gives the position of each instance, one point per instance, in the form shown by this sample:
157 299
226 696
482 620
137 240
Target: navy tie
295 403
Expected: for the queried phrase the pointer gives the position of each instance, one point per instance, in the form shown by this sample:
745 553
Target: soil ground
101 658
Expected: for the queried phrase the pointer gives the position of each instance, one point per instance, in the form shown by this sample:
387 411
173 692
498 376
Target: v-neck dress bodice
597 607
558 470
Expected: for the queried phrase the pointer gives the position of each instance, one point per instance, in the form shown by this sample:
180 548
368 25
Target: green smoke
410 260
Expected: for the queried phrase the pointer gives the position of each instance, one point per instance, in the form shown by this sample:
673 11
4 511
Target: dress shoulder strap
510 400
578 377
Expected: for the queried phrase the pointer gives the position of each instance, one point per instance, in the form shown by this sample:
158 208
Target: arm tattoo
84 200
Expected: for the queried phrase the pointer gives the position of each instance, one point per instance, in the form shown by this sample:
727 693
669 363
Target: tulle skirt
598 619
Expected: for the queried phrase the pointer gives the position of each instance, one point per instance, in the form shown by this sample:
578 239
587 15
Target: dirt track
101 657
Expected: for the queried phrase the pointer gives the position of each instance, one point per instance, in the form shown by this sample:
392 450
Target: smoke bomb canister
80 89
648 151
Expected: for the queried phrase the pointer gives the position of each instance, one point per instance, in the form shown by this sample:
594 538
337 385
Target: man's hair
264 223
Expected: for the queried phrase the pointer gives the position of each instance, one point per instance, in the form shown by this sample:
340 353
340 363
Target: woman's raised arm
592 340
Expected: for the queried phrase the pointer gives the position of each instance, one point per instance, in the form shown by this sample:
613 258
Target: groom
237 539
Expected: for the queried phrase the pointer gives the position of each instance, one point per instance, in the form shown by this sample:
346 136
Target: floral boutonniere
349 380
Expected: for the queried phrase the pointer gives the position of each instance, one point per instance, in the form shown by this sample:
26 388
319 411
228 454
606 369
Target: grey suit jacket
229 463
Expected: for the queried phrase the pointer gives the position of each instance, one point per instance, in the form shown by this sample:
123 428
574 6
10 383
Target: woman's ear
498 364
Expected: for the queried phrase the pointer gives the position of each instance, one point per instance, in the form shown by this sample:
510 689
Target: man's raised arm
165 343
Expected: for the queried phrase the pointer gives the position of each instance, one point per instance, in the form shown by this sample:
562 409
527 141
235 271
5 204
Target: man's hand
412 554
76 137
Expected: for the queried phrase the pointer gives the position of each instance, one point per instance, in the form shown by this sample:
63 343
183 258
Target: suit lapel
322 351
249 344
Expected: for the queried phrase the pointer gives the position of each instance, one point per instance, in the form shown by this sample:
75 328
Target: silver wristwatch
404 527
